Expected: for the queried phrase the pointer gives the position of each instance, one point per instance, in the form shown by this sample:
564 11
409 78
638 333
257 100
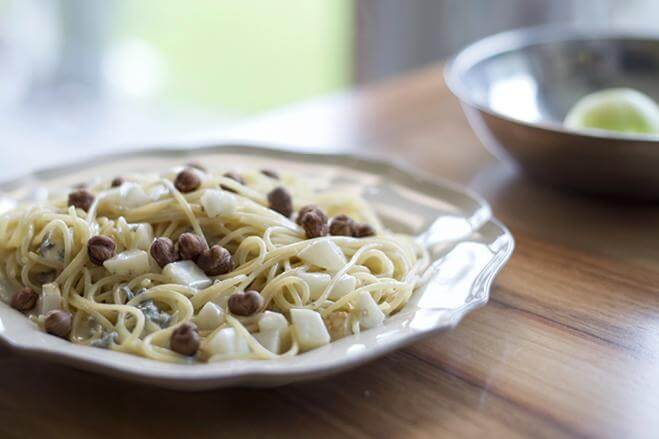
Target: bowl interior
538 75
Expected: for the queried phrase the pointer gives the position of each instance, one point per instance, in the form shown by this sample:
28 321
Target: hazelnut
196 165
190 246
342 225
185 339
81 199
100 249
117 181
363 230
58 323
245 303
280 201
187 181
163 251
310 208
233 176
215 261
313 225
270 173
24 299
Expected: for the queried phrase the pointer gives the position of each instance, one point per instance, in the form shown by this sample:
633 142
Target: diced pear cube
210 317
272 321
133 195
324 253
216 202
50 299
128 263
51 249
186 273
143 236
158 191
227 342
370 314
126 196
270 339
309 328
317 283
343 286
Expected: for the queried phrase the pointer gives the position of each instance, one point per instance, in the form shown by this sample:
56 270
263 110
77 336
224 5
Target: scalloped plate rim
255 375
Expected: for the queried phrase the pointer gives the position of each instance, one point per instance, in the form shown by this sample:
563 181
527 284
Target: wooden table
568 345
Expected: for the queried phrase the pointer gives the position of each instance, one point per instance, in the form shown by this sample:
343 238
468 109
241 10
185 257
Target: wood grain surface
567 347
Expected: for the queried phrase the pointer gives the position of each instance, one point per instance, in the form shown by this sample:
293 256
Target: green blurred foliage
244 55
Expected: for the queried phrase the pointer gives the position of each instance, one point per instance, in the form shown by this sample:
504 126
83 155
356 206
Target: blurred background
80 76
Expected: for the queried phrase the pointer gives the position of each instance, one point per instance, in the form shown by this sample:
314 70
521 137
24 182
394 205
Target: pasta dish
192 265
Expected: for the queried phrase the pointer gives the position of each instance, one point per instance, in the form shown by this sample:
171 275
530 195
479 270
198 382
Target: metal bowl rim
517 39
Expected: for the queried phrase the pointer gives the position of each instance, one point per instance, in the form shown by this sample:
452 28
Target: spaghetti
193 265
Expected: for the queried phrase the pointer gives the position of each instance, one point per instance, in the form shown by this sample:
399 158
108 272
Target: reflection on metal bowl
517 87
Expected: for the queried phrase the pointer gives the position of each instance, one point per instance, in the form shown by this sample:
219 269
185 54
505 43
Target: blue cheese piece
105 340
186 273
227 342
128 263
153 313
325 254
309 329
370 314
51 250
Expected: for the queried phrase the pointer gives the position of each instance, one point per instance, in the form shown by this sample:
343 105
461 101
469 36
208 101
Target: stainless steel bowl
516 88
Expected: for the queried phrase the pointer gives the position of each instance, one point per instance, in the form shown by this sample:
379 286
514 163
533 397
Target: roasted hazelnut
310 208
185 339
313 225
24 299
81 199
245 303
233 176
58 323
215 261
280 201
190 246
100 249
270 173
363 230
187 181
342 225
163 251
117 181
196 165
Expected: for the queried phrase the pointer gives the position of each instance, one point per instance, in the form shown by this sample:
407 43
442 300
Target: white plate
467 245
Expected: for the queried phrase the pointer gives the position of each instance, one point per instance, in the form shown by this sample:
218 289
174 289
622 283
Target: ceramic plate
467 245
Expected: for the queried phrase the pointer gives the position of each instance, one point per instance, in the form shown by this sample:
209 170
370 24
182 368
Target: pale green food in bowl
616 109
